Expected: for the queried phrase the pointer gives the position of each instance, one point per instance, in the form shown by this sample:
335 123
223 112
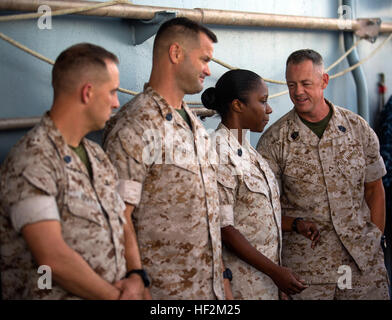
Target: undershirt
185 116
318 127
80 150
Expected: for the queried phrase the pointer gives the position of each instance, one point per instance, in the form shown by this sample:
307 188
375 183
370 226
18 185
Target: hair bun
208 98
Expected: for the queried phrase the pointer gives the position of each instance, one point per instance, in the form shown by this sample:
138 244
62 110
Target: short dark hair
234 84
305 54
74 61
184 26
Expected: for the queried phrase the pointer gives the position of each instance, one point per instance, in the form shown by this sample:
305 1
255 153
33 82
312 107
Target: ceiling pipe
206 16
18 123
358 74
29 122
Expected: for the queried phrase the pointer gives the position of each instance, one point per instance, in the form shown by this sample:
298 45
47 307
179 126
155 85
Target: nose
207 71
298 90
269 109
116 103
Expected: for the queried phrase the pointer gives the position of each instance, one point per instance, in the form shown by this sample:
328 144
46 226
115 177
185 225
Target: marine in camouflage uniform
166 175
323 180
249 201
43 179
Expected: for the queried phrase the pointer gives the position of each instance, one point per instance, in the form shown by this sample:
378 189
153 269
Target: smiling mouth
301 100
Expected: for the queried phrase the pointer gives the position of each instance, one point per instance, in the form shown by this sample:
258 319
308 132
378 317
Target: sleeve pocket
40 179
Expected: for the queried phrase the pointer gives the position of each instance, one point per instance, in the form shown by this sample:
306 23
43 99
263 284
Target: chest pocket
81 199
225 177
303 169
114 205
180 152
302 180
256 184
350 161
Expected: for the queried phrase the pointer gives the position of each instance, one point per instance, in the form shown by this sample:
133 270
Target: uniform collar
169 113
248 153
66 154
236 149
299 132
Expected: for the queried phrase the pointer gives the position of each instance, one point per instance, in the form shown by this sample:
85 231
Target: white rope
339 74
233 68
333 65
25 49
130 92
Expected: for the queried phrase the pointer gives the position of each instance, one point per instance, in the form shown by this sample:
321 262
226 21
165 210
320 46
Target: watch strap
227 274
142 273
295 222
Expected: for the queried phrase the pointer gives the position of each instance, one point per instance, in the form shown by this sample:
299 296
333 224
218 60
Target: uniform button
341 128
239 152
67 159
294 135
169 116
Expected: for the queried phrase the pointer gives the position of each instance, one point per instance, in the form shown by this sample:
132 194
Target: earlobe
237 106
86 93
325 80
175 52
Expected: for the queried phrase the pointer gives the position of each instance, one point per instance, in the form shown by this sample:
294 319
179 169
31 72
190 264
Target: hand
147 294
309 230
287 281
132 288
283 296
227 287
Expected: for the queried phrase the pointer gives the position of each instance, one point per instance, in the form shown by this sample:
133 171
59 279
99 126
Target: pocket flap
255 184
87 209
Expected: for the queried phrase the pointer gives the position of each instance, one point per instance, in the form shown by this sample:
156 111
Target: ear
325 80
86 93
237 106
175 53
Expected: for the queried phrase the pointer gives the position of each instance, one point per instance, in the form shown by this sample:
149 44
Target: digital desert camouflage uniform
249 201
166 174
323 180
43 179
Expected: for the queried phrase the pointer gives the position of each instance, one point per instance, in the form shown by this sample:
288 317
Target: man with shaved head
159 149
63 232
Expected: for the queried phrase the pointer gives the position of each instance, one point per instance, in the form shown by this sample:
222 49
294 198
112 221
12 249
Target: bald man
159 149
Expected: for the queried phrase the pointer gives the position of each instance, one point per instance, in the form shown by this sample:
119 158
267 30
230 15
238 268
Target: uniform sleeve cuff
130 191
226 215
32 210
375 171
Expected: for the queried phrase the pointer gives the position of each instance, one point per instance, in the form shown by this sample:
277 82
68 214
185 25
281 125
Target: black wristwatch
295 222
227 274
142 273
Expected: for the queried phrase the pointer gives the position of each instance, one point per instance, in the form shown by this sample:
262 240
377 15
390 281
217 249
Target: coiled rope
130 92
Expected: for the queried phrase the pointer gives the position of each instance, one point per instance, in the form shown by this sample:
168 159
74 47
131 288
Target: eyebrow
292 81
